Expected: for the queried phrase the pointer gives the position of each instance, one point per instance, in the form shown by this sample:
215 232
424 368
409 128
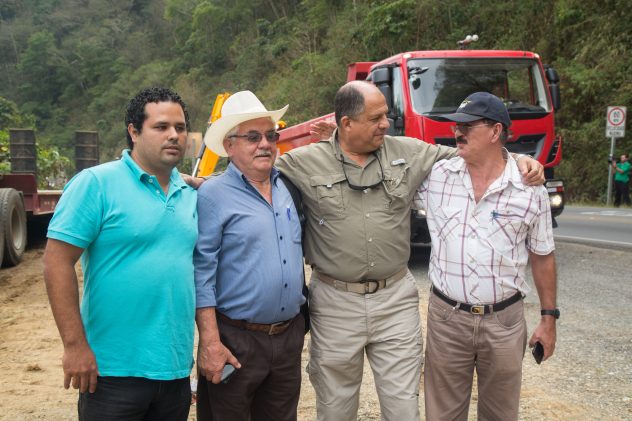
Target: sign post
615 127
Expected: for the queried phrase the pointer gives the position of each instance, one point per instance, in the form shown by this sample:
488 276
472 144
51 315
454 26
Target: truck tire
1 243
13 221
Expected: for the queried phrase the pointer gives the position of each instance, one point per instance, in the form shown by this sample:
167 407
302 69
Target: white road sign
615 121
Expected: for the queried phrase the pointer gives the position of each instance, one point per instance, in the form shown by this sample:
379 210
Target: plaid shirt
480 250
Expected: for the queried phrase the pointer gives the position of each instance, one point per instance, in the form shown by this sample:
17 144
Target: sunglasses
466 128
360 187
255 137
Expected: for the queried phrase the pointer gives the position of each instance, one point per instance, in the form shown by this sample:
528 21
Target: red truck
421 85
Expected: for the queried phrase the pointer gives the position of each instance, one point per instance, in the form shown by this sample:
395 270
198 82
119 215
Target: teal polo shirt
138 304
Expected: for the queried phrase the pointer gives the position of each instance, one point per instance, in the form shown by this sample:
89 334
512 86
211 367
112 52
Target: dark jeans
621 193
267 386
136 398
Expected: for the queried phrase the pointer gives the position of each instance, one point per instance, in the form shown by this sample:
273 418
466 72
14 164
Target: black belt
479 308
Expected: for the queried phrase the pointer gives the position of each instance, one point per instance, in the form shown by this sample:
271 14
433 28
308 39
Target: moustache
461 140
263 154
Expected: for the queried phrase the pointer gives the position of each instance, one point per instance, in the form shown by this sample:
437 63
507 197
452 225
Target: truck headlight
556 200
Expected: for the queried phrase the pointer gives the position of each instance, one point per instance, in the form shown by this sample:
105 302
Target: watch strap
546 312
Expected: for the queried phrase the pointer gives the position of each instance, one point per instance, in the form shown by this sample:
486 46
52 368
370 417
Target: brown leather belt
270 329
478 308
368 286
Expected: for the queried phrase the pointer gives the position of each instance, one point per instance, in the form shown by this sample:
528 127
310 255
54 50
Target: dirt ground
31 375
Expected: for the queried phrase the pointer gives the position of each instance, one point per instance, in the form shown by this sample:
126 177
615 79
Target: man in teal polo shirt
133 222
622 181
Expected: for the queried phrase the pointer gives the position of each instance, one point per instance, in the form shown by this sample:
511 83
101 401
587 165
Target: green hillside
72 64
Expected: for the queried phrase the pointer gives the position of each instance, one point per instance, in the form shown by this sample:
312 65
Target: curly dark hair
136 108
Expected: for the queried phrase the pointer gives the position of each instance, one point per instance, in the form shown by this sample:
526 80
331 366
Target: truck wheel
13 221
1 243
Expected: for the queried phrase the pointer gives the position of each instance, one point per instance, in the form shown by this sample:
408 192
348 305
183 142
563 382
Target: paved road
600 226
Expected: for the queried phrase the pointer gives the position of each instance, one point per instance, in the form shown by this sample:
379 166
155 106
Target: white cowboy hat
239 107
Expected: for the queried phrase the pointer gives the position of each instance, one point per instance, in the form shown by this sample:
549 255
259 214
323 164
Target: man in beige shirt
357 191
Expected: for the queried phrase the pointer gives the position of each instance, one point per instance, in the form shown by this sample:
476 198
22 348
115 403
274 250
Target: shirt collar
511 173
141 174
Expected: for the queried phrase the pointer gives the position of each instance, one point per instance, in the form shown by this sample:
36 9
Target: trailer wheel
13 221
1 243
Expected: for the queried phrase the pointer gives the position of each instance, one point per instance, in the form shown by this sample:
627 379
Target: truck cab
420 86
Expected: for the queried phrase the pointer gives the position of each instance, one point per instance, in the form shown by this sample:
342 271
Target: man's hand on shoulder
194 182
80 367
532 171
212 357
323 129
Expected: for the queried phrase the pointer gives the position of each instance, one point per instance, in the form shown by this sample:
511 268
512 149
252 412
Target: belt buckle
367 289
273 326
477 309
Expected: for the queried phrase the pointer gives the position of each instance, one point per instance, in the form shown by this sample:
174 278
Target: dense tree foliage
73 63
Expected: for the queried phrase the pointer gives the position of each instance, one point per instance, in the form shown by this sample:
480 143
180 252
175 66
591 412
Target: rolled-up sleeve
540 238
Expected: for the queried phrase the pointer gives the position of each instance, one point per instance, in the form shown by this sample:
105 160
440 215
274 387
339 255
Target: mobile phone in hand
227 373
538 352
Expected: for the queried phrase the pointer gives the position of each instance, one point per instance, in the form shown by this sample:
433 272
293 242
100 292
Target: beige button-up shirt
356 235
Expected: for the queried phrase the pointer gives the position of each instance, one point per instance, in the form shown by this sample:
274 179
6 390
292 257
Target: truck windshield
439 86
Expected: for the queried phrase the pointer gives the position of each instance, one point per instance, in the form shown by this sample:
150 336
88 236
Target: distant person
357 188
133 222
485 224
622 181
248 274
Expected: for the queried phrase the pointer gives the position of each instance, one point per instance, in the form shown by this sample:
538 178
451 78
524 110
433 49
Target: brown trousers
458 343
267 386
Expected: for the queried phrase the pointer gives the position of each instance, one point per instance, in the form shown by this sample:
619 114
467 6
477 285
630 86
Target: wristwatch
555 313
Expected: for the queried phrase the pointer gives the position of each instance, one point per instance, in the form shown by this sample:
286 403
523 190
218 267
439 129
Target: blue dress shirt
248 259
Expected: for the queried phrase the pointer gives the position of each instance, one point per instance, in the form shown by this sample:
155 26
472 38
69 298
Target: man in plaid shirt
485 225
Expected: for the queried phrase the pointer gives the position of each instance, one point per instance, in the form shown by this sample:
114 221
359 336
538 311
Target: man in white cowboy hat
248 273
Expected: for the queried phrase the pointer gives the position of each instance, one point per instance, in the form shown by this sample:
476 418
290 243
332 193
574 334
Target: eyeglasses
465 128
255 137
360 188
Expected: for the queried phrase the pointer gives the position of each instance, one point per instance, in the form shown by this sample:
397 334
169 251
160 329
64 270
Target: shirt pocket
447 222
396 187
329 195
506 230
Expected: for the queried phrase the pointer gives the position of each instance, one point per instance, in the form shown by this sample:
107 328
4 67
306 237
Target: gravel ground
590 375
588 378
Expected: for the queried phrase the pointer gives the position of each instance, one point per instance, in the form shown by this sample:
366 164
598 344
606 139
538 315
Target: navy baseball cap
480 105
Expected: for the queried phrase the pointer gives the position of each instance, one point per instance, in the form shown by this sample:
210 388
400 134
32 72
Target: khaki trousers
459 342
385 325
